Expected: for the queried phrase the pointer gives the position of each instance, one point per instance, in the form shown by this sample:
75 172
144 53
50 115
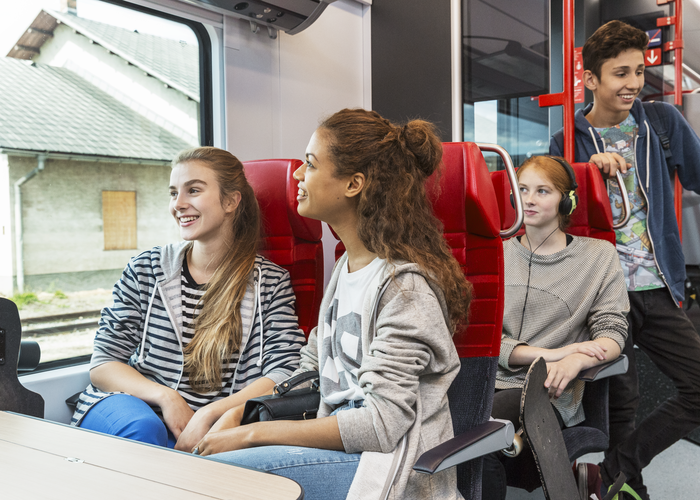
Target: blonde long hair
218 328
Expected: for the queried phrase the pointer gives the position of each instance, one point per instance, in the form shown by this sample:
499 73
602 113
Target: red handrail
566 97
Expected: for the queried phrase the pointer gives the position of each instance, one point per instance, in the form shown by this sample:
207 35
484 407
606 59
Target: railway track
60 323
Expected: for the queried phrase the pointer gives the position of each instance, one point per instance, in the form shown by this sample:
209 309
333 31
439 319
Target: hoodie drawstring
145 324
260 318
595 141
648 142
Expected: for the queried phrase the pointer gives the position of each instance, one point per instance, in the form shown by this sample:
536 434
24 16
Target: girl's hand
559 374
589 348
176 412
237 438
230 419
195 430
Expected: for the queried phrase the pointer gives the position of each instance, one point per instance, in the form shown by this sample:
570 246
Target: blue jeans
324 474
128 417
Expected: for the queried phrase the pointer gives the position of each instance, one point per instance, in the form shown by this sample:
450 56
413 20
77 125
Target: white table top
47 460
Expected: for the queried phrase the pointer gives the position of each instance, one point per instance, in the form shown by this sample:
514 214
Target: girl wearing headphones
565 302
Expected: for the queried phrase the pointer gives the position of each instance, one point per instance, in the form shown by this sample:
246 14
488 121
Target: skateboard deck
544 436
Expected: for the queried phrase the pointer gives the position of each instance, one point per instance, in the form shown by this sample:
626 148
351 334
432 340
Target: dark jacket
655 180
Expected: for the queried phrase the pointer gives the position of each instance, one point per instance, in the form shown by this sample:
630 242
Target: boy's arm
607 163
685 146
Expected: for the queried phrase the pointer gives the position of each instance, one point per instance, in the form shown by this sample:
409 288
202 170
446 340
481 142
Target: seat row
474 207
475 210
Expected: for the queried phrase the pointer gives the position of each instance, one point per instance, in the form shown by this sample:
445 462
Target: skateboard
541 429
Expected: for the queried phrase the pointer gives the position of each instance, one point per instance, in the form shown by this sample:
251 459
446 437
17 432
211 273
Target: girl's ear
355 185
232 202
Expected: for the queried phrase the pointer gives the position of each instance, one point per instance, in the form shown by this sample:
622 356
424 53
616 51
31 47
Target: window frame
206 122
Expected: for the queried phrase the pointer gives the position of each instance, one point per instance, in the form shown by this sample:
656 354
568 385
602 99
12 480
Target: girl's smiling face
321 195
196 204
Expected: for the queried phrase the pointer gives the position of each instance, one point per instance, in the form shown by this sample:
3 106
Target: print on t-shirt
342 334
632 241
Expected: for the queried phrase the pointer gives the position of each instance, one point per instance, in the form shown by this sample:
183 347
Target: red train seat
465 202
289 240
592 217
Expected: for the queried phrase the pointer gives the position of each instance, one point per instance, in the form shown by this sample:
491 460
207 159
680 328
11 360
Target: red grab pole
566 97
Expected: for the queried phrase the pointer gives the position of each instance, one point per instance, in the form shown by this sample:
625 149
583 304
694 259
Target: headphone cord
529 269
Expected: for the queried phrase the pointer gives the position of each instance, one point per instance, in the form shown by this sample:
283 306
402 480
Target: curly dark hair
609 41
395 218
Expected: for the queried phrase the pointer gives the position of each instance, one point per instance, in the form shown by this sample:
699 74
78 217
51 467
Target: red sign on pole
652 57
578 76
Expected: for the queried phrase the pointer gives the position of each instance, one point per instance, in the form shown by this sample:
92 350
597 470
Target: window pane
505 63
97 99
505 48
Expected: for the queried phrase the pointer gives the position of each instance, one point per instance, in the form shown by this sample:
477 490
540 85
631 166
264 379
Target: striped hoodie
143 327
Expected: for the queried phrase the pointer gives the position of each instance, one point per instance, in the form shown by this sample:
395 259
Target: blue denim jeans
128 417
324 474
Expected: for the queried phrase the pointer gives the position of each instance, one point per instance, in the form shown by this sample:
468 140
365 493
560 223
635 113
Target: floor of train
672 474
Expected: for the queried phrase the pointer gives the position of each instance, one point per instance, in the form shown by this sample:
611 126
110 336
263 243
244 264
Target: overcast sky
18 15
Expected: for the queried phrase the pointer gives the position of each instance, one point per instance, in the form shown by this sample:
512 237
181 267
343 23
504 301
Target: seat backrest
592 217
466 204
289 240
13 395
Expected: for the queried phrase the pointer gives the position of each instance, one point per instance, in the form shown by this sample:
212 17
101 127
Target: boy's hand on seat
609 164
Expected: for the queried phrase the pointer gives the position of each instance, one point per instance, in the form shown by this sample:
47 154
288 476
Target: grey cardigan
405 373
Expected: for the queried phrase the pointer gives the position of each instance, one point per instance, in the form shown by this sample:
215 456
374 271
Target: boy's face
621 80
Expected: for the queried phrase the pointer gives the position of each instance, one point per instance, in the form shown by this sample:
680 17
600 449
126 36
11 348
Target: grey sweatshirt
576 294
405 373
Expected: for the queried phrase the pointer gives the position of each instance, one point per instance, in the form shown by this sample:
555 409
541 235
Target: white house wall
146 95
62 213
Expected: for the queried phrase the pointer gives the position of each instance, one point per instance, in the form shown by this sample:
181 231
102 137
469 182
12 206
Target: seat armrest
615 367
29 356
483 439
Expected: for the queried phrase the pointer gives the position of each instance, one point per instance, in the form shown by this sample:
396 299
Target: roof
175 63
50 109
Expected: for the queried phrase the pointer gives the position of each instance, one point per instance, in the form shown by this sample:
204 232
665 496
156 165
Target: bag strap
289 384
656 112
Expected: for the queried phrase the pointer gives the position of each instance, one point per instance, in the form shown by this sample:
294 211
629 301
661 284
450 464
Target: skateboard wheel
514 449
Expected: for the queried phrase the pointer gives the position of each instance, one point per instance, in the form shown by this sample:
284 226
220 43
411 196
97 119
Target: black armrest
29 356
614 367
483 439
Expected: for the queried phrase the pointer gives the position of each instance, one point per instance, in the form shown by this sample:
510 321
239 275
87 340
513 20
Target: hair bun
420 138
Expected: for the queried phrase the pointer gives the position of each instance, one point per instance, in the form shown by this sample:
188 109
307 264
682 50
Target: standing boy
614 133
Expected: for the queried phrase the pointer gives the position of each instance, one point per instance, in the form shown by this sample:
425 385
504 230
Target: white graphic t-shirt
632 241
342 334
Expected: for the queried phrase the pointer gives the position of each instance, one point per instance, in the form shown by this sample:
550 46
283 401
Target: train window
505 63
97 98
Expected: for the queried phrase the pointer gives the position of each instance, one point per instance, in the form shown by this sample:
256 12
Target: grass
24 299
58 294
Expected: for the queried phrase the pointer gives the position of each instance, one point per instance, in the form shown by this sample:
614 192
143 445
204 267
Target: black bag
286 404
